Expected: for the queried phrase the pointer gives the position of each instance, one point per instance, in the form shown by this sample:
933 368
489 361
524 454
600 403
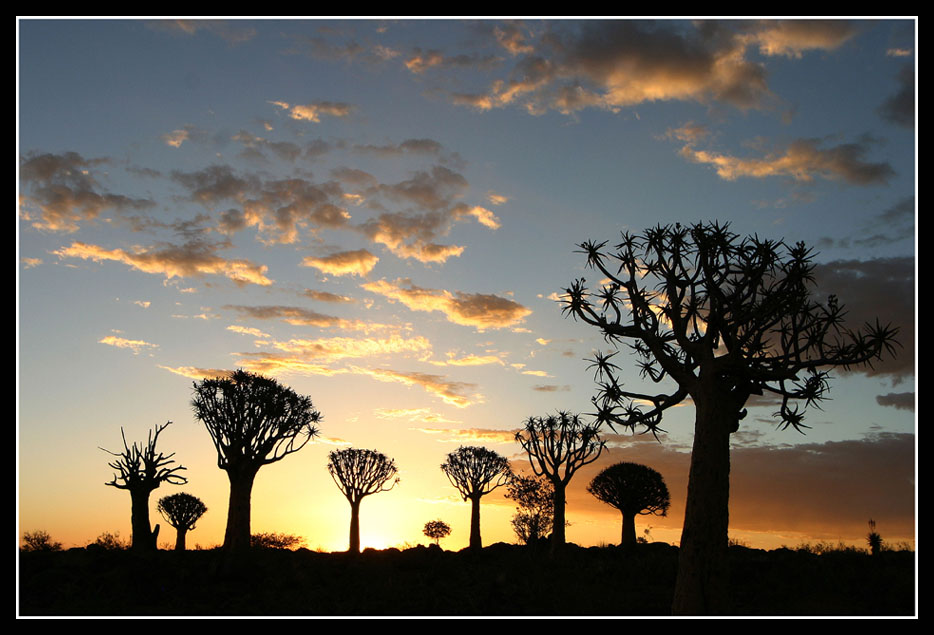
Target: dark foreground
502 580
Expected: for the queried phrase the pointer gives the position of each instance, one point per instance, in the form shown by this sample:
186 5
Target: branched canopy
535 506
253 420
359 473
632 488
558 445
436 530
141 468
476 471
699 303
181 510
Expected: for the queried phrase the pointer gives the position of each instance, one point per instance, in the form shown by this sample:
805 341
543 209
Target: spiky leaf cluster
359 473
476 471
560 444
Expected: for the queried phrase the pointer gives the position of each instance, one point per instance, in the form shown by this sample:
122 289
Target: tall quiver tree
559 445
182 511
358 474
633 489
140 469
476 472
253 421
724 318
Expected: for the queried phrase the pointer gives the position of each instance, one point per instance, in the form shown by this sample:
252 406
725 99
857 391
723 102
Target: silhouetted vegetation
476 472
181 511
276 540
436 530
140 470
109 541
535 507
499 580
725 318
39 540
253 421
634 490
874 539
559 445
358 474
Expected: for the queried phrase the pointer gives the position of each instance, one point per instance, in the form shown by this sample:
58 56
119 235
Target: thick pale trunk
558 538
354 527
237 534
701 588
475 542
142 538
628 537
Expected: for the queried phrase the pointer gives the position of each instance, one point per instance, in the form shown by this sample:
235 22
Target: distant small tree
358 474
436 530
559 445
39 540
634 490
181 511
476 472
535 507
874 539
253 421
140 470
273 540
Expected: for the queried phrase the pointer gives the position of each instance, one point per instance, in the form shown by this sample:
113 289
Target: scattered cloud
137 346
450 392
315 110
193 372
793 38
897 400
900 107
243 330
359 262
479 310
175 138
327 296
472 436
337 348
299 316
421 415
231 32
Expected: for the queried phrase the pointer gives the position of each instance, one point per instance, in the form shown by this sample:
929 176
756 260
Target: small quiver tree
140 469
253 421
358 474
634 490
181 511
559 445
874 539
436 530
475 472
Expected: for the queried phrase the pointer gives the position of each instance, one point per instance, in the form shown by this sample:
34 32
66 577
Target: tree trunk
628 537
558 539
237 534
180 533
142 538
475 542
354 527
701 587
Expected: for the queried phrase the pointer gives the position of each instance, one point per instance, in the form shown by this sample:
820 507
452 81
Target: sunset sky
381 214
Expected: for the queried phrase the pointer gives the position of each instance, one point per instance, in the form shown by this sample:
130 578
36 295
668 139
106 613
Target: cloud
450 392
134 345
469 360
193 372
327 296
243 330
355 263
550 388
299 316
175 138
900 107
63 192
315 110
897 400
192 259
223 29
337 348
802 160
472 436
479 310
792 38
274 365
423 415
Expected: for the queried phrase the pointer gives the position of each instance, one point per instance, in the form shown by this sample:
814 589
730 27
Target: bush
39 541
272 540
110 542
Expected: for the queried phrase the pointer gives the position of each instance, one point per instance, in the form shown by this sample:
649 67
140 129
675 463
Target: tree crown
699 304
142 468
359 473
253 420
476 471
632 489
181 510
558 445
436 530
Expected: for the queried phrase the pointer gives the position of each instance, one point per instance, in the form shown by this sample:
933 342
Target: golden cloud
335 348
313 111
479 310
134 345
450 392
355 263
304 317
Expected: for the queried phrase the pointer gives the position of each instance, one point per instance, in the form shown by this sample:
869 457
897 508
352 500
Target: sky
382 214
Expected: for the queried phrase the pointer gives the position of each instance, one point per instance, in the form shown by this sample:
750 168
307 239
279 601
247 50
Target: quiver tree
535 507
253 421
140 469
359 473
720 319
476 472
633 489
436 530
182 511
559 445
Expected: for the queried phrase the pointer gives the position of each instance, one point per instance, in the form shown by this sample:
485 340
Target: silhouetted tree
436 530
874 539
182 511
559 445
253 421
359 473
535 507
633 489
140 470
39 540
274 540
476 472
724 318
